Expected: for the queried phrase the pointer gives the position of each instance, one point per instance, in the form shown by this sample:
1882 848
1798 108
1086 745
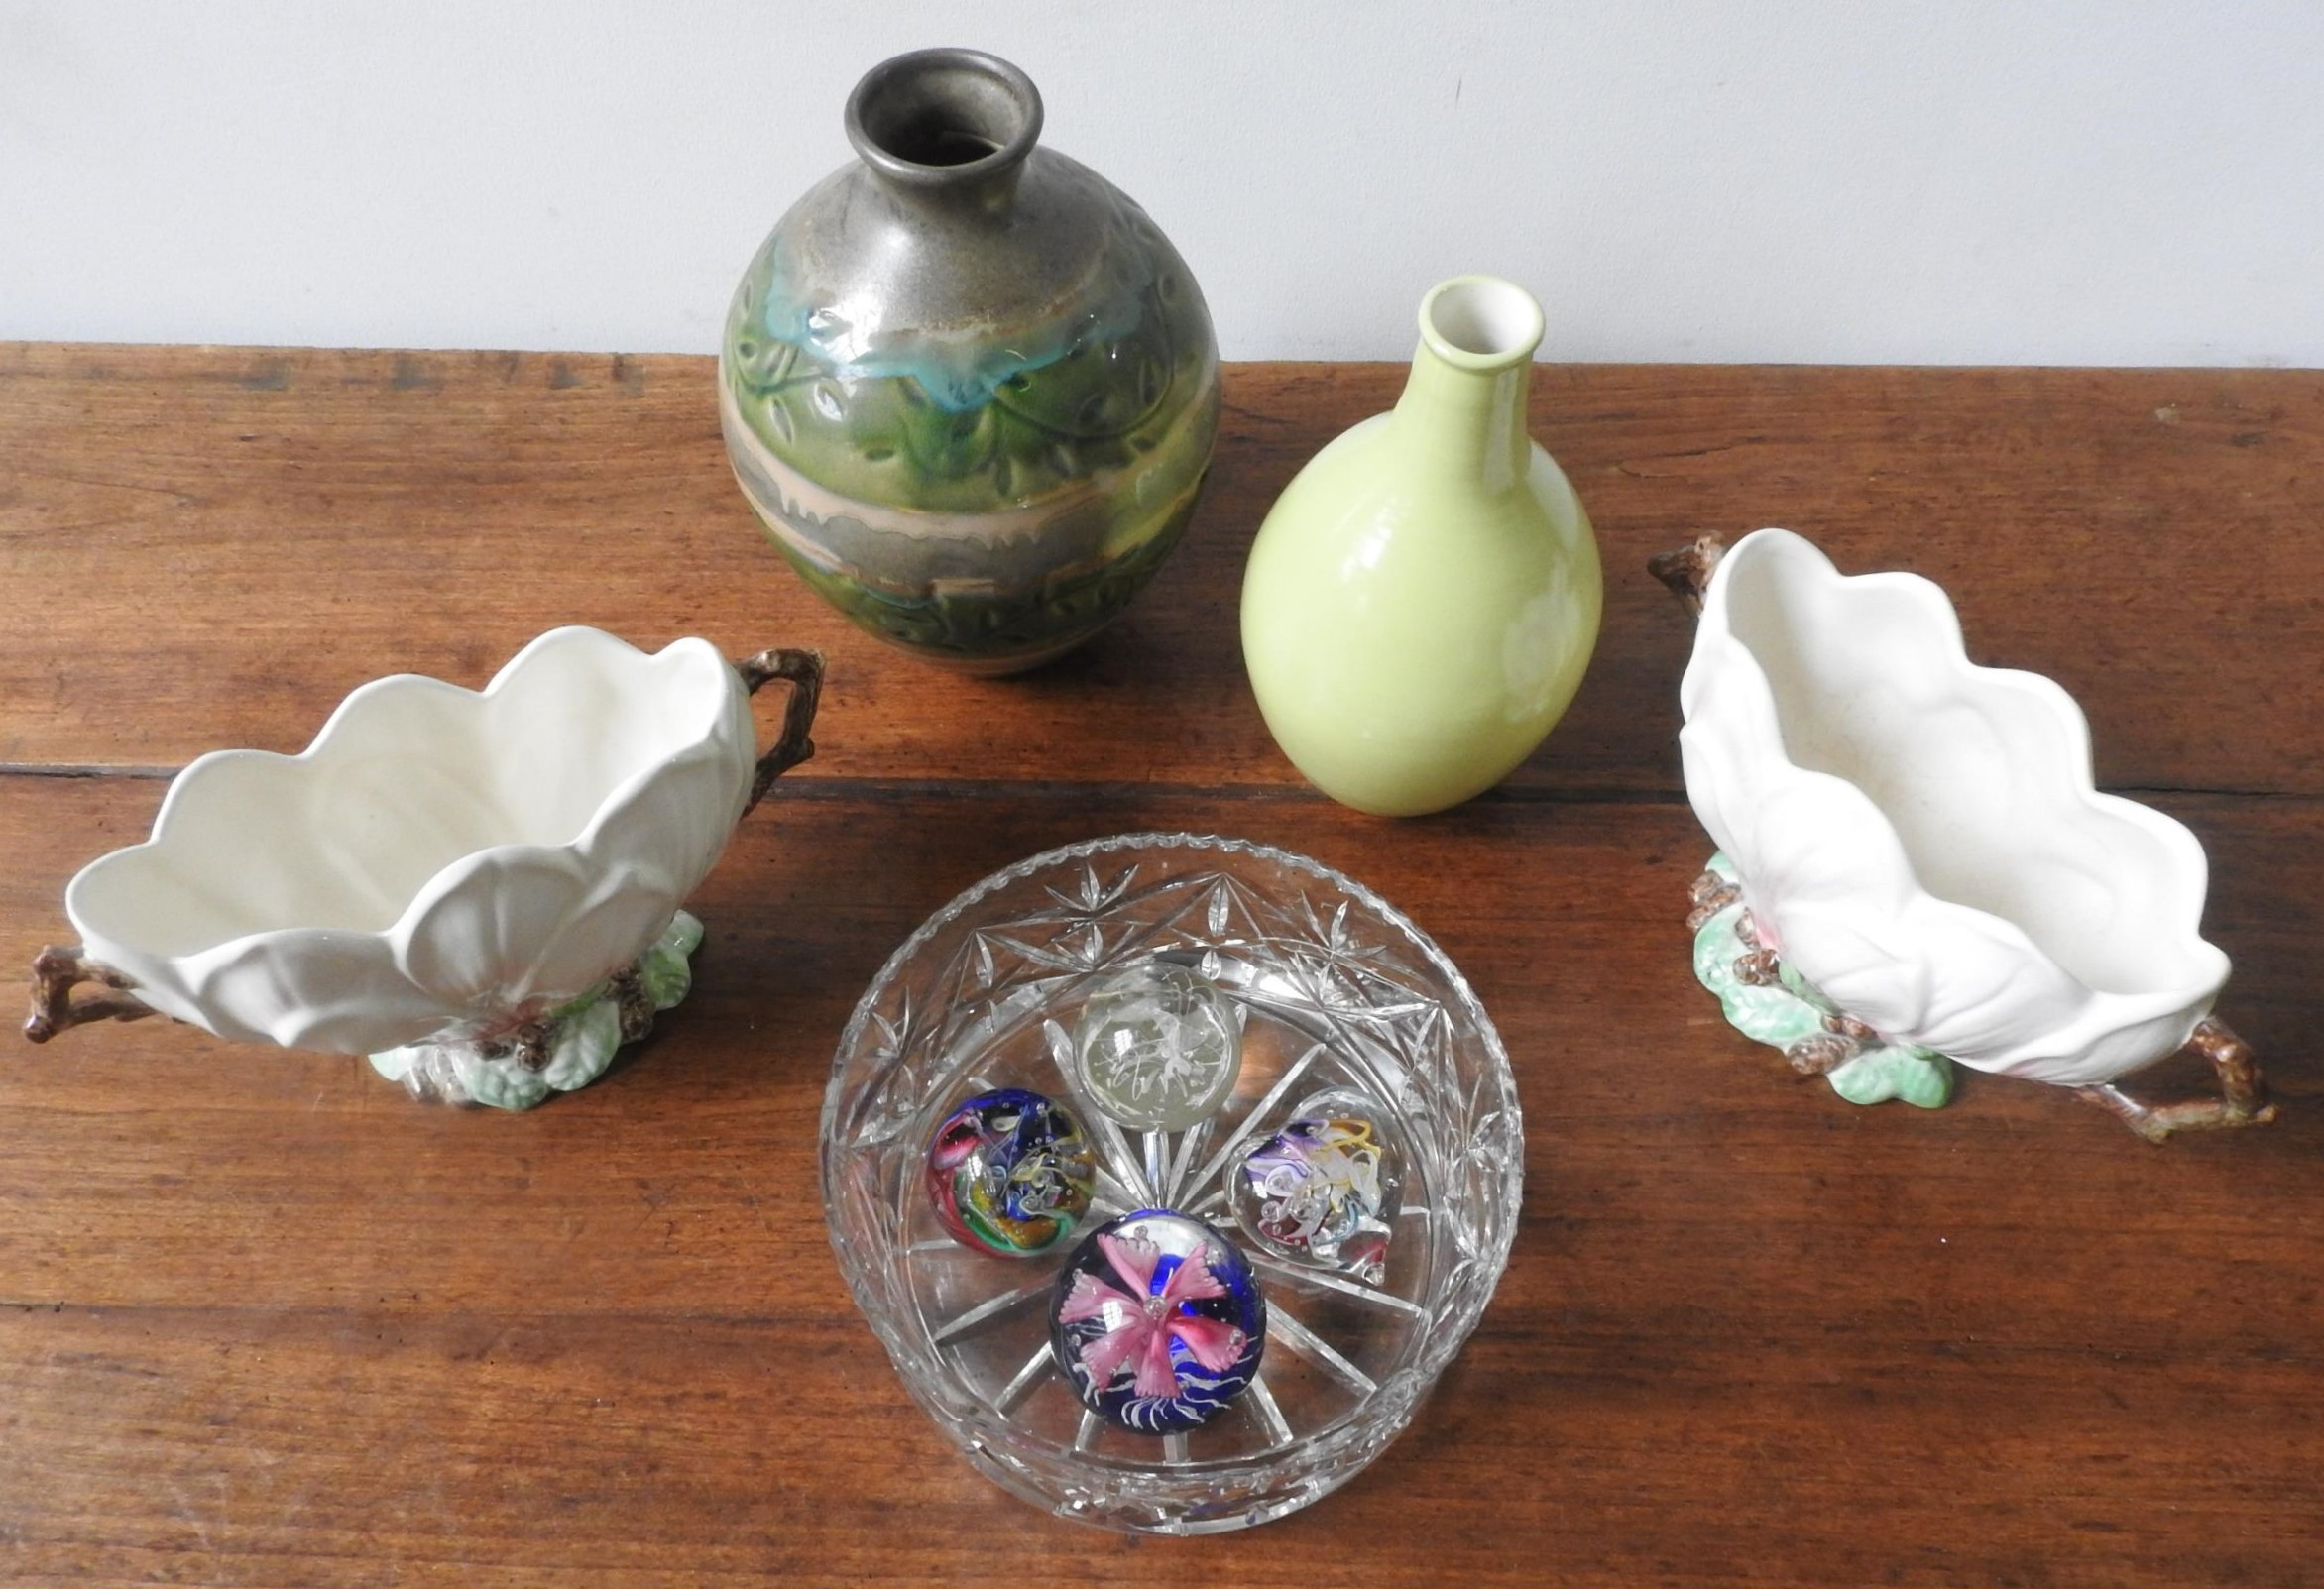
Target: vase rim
916 118
1480 322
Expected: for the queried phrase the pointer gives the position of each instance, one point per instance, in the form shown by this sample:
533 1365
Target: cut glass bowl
1334 989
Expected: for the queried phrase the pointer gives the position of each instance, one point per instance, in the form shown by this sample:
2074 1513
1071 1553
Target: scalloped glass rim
1196 1498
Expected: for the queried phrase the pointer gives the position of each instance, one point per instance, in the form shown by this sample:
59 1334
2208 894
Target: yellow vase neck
1462 422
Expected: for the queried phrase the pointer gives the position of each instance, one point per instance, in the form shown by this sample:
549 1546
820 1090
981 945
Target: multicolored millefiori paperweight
1158 1047
1325 1189
1010 1172
1157 1323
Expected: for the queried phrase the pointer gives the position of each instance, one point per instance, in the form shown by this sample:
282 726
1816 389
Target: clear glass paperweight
1364 1169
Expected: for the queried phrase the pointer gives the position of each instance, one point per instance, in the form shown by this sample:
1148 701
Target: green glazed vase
969 388
1424 597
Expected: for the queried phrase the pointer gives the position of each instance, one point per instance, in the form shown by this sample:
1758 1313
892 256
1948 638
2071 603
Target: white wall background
2124 182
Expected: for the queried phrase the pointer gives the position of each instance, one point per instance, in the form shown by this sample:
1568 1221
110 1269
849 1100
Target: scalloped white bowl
440 858
1919 837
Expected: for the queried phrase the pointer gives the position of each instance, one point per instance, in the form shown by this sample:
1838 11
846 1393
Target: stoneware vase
480 890
1424 596
969 388
1914 866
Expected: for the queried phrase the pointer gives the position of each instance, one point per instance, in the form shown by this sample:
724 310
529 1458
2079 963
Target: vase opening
1481 322
939 118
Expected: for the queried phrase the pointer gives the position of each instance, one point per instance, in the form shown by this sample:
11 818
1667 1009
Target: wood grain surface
266 1322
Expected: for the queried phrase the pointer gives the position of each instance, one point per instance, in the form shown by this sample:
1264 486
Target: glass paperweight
1336 998
1325 1189
1157 1323
1158 1045
1011 1173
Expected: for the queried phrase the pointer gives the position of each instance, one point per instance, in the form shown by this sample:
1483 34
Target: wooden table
268 1321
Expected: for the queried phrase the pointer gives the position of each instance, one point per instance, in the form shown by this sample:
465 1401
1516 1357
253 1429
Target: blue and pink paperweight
1157 1323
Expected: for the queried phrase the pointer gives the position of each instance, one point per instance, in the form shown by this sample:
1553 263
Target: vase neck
946 129
1462 411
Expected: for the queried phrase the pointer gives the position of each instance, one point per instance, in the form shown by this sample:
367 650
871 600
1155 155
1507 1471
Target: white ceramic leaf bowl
1920 841
450 875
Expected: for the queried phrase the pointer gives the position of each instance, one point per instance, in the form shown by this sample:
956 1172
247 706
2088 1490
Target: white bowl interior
409 775
1982 772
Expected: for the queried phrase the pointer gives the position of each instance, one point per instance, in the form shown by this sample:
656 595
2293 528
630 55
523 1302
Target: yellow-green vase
1424 597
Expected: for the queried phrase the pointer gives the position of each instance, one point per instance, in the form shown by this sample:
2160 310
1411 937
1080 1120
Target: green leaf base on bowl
1790 1011
573 1044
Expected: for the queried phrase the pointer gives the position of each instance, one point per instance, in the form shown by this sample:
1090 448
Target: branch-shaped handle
56 974
803 672
1688 570
2243 1091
